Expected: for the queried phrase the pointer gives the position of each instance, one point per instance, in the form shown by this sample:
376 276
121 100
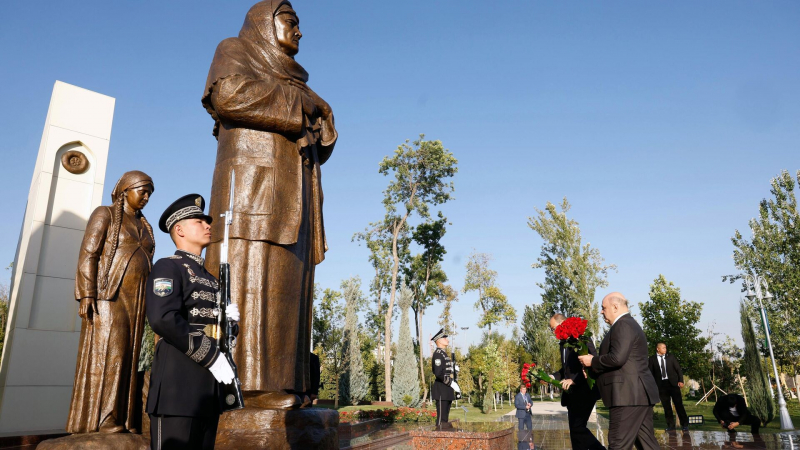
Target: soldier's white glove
458 369
221 370
232 312
455 386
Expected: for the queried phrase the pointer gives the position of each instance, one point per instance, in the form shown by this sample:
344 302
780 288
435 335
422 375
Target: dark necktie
663 368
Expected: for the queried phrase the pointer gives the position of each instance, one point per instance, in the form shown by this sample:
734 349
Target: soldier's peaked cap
439 334
186 207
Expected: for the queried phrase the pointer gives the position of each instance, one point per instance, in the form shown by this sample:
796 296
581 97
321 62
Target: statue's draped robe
255 94
106 390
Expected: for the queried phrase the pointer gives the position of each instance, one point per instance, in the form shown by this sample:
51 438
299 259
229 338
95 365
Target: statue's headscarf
128 180
255 53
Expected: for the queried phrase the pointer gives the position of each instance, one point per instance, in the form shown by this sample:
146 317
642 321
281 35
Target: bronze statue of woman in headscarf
115 259
275 132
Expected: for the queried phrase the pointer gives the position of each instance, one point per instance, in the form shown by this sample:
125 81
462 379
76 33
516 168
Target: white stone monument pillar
41 344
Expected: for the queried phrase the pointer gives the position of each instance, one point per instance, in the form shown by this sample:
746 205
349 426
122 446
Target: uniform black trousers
442 411
579 408
669 393
629 426
182 433
753 421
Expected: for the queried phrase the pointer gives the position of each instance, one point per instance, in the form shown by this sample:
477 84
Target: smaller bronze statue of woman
115 259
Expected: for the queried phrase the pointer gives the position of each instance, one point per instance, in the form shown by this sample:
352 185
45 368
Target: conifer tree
759 398
405 382
353 384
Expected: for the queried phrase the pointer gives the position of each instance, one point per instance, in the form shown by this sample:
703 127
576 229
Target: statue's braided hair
117 210
149 230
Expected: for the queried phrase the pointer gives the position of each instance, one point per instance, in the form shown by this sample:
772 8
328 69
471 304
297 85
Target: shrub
389 415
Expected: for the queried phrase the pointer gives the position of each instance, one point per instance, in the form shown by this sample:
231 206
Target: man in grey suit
626 385
523 404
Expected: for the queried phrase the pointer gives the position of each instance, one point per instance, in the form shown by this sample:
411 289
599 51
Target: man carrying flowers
580 394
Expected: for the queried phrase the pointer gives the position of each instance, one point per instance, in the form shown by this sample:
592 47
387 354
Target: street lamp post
755 283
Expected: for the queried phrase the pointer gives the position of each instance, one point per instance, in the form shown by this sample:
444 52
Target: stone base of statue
98 441
254 428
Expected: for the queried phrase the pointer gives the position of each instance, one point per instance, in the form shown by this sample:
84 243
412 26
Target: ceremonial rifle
226 341
455 375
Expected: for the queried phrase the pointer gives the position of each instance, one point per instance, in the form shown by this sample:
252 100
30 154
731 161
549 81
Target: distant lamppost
755 283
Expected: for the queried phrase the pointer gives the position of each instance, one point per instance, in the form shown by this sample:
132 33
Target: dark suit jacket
722 411
571 368
621 369
674 372
521 403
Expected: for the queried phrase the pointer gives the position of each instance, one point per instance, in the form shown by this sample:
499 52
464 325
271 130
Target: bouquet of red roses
529 375
573 331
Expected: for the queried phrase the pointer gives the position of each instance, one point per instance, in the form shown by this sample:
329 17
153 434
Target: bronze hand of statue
88 308
312 103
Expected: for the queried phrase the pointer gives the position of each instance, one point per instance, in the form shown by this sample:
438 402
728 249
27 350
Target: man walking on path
626 385
523 404
668 375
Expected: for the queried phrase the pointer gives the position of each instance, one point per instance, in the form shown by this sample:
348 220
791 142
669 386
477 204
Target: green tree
379 241
425 275
354 385
465 380
421 172
727 365
757 386
328 334
669 319
491 300
447 296
573 270
405 383
774 253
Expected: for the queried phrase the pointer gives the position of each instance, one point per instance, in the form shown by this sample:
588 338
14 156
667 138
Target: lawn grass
706 410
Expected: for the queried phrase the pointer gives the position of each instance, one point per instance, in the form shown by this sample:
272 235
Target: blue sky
661 122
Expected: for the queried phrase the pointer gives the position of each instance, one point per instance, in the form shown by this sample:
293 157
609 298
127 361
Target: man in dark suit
577 397
731 411
669 378
626 385
522 402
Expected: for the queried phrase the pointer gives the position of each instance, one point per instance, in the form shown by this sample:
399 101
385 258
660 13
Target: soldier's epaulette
175 257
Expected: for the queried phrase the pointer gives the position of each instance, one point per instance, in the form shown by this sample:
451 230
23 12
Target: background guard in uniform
445 388
185 399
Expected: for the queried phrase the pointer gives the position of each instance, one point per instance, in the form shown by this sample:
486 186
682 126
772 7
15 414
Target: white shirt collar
618 317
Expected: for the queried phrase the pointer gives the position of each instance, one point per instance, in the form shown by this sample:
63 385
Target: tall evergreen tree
405 383
757 386
573 270
669 319
353 384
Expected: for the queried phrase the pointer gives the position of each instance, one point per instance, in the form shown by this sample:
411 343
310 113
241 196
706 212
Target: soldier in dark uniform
445 387
185 401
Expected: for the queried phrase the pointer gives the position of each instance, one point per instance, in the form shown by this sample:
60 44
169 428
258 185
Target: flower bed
389 415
